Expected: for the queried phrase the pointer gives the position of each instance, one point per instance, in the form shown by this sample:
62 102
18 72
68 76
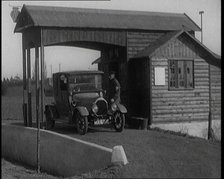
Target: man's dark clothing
114 90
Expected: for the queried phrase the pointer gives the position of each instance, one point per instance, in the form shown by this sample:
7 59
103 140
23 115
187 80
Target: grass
12 103
151 153
15 170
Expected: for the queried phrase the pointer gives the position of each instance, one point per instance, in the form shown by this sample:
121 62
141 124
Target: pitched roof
100 18
148 51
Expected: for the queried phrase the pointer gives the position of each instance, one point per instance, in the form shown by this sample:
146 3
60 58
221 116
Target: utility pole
210 114
59 67
201 13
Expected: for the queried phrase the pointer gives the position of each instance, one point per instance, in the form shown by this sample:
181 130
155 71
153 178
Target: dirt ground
153 154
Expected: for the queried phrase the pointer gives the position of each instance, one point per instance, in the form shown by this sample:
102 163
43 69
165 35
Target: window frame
176 75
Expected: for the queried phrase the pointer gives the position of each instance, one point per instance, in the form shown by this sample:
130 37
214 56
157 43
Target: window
181 74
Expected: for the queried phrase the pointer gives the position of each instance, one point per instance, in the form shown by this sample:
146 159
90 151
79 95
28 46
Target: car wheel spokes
117 120
82 124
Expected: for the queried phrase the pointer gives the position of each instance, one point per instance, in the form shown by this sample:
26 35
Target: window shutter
173 74
181 76
189 74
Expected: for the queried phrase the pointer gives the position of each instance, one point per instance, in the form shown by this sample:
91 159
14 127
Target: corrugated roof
100 18
148 51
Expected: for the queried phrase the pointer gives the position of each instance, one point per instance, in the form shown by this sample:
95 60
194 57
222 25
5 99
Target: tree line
17 81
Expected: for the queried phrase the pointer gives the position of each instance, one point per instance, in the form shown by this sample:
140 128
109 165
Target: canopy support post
29 88
24 83
37 105
42 77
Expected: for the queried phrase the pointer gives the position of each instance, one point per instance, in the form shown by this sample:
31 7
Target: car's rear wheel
50 122
81 123
119 121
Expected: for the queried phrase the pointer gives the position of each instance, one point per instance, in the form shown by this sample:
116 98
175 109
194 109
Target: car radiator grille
102 107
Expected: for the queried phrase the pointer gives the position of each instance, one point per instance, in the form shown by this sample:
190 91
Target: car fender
121 108
82 110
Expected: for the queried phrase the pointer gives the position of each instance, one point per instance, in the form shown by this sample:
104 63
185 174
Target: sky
72 58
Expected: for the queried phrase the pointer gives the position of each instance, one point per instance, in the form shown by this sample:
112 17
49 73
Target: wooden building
136 45
176 80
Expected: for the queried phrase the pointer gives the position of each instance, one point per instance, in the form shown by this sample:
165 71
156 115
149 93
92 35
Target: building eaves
46 16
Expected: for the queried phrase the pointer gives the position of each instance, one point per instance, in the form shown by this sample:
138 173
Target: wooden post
150 91
201 13
42 77
24 83
29 88
210 98
37 106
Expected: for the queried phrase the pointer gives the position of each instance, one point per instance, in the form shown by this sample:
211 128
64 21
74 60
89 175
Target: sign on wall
159 75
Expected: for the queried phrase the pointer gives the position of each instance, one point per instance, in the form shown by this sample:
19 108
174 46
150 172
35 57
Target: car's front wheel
81 123
119 121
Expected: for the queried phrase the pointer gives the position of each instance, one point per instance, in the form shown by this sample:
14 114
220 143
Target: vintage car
78 97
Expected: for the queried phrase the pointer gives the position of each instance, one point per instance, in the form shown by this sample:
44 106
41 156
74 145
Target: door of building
139 86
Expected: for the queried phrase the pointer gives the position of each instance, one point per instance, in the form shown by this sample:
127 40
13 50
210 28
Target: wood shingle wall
216 92
181 105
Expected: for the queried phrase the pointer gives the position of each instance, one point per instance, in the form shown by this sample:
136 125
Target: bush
48 91
4 89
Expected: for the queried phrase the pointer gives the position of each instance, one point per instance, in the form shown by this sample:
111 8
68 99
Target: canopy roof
44 16
80 72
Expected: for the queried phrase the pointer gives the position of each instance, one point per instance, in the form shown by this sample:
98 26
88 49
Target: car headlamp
95 108
114 107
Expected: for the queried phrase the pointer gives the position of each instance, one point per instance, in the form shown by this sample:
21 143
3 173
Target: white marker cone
118 156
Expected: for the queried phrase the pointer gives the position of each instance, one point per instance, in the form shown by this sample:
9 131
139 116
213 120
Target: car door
63 95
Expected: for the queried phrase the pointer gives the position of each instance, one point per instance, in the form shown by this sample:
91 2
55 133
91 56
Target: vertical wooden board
137 41
52 36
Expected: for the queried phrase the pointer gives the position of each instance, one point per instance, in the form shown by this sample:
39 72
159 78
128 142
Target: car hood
85 99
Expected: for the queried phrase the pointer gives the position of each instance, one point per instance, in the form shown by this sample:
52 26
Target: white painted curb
118 156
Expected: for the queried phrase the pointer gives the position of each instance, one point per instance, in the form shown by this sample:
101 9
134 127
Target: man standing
114 89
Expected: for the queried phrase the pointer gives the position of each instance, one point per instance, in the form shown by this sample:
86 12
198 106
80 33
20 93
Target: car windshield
85 82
